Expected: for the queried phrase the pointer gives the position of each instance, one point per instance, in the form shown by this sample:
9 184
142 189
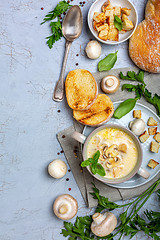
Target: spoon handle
58 93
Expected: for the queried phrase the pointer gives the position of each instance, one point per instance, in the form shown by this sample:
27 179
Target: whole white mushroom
137 126
103 224
65 207
93 49
57 168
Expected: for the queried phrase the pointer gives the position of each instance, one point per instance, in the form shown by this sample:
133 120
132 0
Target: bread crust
144 45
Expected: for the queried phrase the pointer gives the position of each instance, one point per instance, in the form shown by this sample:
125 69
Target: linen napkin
72 149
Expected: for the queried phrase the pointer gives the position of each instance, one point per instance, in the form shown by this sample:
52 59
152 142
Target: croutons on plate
152 130
157 137
152 122
152 164
137 113
154 147
144 136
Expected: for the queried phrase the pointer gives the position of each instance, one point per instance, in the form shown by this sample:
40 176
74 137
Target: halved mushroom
113 162
112 151
65 207
103 224
103 149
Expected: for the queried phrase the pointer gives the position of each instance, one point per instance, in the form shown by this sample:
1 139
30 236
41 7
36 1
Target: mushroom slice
112 151
113 162
103 147
65 207
103 224
122 148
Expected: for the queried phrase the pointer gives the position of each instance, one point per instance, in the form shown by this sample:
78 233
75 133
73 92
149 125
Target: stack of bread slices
89 107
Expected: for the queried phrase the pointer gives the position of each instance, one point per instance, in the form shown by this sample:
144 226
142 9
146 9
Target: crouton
99 18
152 130
137 113
96 25
152 164
157 137
152 122
126 23
154 147
103 35
109 12
117 11
122 148
113 34
102 27
126 11
106 5
144 136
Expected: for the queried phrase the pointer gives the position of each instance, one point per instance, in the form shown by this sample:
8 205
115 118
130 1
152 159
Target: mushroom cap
57 168
103 224
65 207
93 49
110 84
137 126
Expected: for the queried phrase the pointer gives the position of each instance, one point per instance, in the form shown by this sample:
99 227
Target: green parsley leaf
61 7
56 29
118 23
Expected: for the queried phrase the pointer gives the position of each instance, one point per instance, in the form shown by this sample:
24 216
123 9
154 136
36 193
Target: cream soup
118 152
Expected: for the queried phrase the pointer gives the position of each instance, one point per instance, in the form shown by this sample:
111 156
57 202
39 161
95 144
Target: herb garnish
94 165
140 90
118 23
131 222
56 26
108 62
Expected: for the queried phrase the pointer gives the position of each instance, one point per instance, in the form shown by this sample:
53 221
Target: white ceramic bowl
96 7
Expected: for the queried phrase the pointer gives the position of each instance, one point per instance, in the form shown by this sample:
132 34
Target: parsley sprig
130 222
140 90
56 26
94 165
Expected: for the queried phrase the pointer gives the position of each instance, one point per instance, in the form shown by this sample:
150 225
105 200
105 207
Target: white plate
136 181
96 7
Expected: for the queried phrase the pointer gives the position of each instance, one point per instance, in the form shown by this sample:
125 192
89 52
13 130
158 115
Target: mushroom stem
98 218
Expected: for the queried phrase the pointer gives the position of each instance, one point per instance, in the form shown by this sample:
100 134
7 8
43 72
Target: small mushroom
137 126
93 49
103 224
65 207
57 168
112 151
110 84
113 162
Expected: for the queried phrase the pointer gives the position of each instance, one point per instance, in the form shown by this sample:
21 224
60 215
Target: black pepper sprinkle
64 13
84 2
76 64
60 18
80 3
63 136
68 1
58 111
77 54
58 153
75 147
67 179
69 170
62 151
42 8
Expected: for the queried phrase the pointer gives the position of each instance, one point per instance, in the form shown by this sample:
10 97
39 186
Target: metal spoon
71 29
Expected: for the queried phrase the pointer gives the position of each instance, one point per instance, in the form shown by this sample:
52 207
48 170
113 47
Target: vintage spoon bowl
71 29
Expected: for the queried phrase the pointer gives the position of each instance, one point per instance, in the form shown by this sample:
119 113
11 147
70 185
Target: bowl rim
135 139
108 41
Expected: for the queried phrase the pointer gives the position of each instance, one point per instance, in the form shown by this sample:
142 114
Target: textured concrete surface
29 119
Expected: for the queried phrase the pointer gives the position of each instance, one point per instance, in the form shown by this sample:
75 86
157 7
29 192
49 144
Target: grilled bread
144 45
81 89
101 111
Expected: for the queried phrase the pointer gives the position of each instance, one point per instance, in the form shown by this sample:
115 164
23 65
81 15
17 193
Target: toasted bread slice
81 89
101 111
